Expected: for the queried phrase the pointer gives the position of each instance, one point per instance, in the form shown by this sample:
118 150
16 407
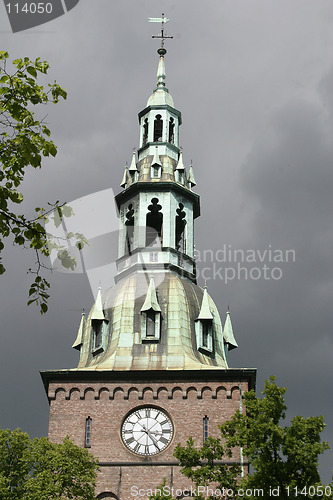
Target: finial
161 51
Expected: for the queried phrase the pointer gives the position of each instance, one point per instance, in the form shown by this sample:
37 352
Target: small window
98 332
204 335
205 428
150 325
88 433
153 257
99 327
156 171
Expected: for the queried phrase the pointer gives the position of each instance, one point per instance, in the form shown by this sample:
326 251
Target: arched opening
106 496
145 132
129 224
158 128
154 224
172 131
180 228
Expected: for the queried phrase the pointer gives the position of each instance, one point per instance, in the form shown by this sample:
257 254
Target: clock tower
153 367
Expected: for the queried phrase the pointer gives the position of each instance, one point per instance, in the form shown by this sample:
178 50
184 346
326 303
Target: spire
125 178
205 312
180 164
161 69
97 312
228 334
133 168
191 178
151 301
79 339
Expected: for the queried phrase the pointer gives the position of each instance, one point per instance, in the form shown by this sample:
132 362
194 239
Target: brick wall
107 403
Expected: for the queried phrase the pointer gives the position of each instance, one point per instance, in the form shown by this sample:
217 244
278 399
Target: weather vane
161 20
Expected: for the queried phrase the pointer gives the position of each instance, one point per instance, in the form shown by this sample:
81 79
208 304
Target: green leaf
32 71
43 308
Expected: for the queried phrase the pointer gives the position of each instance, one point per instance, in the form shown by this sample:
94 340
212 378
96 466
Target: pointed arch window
154 224
180 242
129 225
145 132
158 128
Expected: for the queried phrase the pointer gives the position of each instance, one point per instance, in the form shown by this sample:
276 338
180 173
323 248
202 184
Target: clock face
147 431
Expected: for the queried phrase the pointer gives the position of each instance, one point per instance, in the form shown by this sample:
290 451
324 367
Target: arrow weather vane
161 20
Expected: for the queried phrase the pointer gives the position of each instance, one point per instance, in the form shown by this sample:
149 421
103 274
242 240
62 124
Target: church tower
153 367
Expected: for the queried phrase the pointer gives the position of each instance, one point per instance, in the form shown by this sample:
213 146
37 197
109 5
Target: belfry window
145 132
129 225
172 131
158 128
87 439
154 224
180 229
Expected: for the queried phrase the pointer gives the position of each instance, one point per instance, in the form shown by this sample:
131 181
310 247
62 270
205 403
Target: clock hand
153 439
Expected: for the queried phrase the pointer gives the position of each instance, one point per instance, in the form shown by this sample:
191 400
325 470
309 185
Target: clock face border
147 430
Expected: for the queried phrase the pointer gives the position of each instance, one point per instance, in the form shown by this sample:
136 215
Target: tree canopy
24 142
44 470
284 458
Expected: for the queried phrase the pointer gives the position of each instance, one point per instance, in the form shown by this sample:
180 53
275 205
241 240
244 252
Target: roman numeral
163 440
129 440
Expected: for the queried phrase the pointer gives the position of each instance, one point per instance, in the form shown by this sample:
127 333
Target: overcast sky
254 82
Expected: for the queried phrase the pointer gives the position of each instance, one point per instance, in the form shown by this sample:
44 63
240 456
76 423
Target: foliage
24 141
281 456
44 470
